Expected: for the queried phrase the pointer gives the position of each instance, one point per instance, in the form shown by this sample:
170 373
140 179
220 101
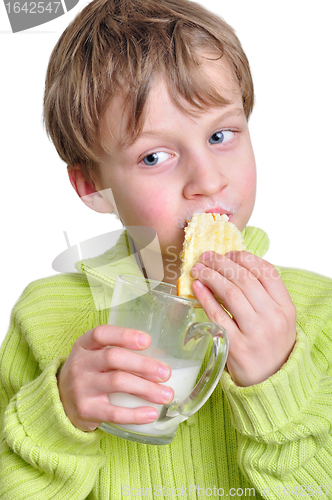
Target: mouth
210 208
216 210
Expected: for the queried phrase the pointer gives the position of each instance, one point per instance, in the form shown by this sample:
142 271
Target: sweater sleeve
284 423
42 455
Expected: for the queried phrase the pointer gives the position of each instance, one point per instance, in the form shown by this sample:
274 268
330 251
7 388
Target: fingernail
163 371
143 339
92 427
197 267
152 415
167 394
199 284
206 255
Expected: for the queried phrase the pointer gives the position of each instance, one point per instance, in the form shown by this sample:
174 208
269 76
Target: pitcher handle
177 413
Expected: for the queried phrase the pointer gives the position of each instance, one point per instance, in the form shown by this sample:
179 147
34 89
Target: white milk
182 382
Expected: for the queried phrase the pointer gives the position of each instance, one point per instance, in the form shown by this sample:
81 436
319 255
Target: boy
148 102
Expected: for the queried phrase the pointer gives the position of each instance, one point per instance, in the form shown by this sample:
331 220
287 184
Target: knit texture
274 436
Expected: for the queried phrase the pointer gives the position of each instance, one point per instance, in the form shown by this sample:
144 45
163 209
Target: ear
87 191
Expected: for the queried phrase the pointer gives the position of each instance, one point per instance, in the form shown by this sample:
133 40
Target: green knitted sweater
271 440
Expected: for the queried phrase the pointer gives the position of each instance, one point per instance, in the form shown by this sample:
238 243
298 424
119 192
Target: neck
172 269
158 266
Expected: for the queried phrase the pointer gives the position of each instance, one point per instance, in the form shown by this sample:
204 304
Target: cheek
163 208
250 184
248 177
152 206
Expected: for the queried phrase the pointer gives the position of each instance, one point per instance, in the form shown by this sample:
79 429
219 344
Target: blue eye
155 158
221 136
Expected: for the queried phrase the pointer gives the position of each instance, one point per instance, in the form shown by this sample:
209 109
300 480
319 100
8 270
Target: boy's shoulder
52 313
311 284
311 293
53 288
65 296
53 298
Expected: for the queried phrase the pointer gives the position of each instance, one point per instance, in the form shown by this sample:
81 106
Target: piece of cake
205 232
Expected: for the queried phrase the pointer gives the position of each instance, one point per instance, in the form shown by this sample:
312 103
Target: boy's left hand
262 329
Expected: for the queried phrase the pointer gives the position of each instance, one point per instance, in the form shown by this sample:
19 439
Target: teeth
205 232
182 221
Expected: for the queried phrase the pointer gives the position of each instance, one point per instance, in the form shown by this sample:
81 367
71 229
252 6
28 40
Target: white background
288 44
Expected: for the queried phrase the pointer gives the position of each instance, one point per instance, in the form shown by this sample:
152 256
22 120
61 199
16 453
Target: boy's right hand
91 372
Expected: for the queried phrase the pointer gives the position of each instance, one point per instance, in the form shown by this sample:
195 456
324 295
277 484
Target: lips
218 211
219 208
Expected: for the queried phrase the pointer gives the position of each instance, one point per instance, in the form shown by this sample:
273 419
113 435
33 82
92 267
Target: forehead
216 72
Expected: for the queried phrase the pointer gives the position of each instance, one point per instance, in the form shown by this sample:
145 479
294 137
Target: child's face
181 163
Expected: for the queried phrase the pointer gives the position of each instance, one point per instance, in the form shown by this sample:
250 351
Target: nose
204 176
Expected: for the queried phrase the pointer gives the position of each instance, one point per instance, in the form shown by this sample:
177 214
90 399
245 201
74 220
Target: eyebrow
229 114
220 118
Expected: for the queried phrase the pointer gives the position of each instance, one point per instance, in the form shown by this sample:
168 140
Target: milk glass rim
127 277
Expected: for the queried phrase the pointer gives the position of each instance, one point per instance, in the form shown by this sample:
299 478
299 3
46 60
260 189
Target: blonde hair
115 46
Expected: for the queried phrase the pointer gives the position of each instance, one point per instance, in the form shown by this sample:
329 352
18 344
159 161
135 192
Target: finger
120 415
120 385
240 276
230 295
105 335
265 272
213 309
93 413
115 386
117 358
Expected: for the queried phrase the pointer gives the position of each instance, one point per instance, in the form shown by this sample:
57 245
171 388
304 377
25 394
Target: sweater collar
102 271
